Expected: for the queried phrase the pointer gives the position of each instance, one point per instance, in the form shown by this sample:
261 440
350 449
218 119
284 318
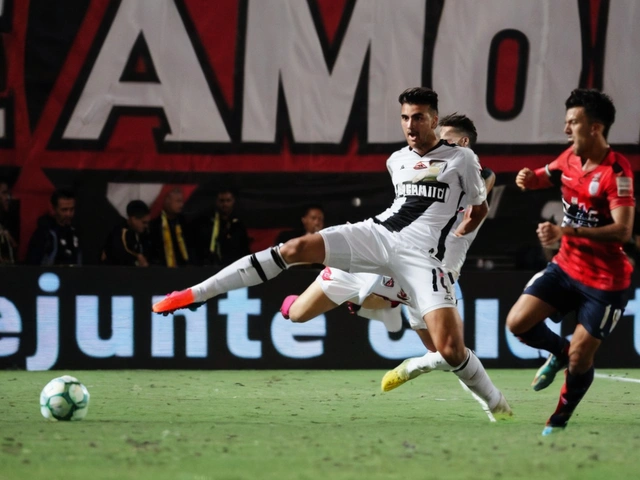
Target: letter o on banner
507 82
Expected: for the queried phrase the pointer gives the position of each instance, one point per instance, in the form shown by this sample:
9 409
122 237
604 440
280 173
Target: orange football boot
174 301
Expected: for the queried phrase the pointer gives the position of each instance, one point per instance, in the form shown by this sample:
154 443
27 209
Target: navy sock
573 390
540 336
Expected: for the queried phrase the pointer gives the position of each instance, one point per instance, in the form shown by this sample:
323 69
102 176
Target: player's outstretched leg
246 272
412 368
573 390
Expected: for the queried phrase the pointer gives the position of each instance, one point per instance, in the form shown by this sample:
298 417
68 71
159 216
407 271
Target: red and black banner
286 101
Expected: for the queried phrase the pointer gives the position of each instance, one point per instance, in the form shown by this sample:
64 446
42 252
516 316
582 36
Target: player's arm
528 179
476 187
489 178
473 217
618 231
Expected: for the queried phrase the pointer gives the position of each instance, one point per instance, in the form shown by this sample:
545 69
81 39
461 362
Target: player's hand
548 233
525 178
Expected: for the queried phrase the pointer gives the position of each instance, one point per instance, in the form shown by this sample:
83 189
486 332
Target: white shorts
340 286
371 248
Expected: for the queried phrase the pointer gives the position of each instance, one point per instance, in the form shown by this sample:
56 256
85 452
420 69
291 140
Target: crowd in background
216 238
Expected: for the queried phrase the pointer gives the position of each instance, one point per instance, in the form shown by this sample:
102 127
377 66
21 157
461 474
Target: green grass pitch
206 425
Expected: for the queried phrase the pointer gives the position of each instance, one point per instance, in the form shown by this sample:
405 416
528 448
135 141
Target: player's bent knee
514 322
297 315
290 250
307 249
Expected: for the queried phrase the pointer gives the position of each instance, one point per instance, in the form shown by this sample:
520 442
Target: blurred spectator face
64 211
313 221
139 225
173 203
5 197
225 202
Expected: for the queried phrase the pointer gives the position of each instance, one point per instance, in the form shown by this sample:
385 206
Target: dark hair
137 208
419 96
598 107
62 193
462 124
5 181
312 206
226 190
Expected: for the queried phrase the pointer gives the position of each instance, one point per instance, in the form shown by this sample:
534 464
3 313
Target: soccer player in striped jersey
377 297
406 241
590 273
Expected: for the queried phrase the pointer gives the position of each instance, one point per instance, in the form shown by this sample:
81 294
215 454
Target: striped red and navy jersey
588 199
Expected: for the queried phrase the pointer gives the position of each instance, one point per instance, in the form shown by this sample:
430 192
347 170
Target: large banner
287 101
100 318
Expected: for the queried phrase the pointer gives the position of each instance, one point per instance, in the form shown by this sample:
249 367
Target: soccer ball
64 398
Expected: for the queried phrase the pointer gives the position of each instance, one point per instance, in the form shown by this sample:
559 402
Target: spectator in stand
8 226
128 244
221 238
56 241
312 222
168 242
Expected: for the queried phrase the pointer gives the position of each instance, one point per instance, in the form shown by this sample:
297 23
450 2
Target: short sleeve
471 178
620 189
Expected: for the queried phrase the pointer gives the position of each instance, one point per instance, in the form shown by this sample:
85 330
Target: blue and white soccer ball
64 398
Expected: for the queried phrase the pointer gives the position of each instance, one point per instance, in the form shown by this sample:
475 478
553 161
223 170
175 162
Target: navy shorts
596 310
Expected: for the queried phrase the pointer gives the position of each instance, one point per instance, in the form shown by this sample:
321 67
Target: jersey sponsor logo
431 171
434 191
388 282
625 186
581 215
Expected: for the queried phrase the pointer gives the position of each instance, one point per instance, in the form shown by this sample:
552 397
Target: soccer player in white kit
406 241
380 295
377 297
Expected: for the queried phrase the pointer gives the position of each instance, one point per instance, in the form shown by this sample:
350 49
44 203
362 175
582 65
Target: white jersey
341 286
456 248
430 192
408 240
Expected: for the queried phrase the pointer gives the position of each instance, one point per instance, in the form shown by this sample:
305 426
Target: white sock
246 272
474 376
427 363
